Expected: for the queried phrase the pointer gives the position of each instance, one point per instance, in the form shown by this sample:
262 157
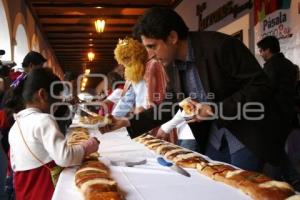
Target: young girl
36 143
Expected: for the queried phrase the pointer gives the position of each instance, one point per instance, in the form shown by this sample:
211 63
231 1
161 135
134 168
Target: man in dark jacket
222 74
283 75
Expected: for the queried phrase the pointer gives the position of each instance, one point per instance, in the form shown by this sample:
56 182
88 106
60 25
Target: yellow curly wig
133 56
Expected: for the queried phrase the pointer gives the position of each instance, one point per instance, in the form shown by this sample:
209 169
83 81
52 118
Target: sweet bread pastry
93 156
93 181
82 177
91 119
96 195
264 191
137 139
294 197
78 129
108 119
224 174
212 170
92 169
173 153
77 136
147 138
159 150
93 164
257 185
99 184
274 190
165 148
189 160
187 107
151 141
155 146
245 178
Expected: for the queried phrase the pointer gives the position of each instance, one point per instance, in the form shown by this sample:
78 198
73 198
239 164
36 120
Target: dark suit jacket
228 70
283 75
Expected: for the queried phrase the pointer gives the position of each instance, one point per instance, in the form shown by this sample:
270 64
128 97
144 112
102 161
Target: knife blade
128 163
172 166
89 112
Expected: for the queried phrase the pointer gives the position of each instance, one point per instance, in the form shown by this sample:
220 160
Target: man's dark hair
34 58
269 42
157 23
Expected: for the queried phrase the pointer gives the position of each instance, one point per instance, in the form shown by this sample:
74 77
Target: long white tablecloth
146 182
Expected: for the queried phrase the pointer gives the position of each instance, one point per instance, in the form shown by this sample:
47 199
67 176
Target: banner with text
280 18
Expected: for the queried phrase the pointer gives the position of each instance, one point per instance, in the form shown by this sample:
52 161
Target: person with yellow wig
146 76
133 56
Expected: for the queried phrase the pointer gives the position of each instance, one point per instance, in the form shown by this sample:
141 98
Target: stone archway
21 44
5 39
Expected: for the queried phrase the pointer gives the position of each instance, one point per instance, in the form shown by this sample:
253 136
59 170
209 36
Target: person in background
64 114
38 147
133 56
115 90
146 80
3 125
31 61
156 81
120 70
100 90
283 76
5 81
11 103
3 166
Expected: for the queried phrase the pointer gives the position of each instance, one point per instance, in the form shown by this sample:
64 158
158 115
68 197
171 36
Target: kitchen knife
174 167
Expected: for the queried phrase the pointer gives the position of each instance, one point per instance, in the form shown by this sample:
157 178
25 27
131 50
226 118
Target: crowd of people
37 145
245 112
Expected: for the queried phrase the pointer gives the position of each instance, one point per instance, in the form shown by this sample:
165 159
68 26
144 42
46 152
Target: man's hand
162 135
202 112
115 124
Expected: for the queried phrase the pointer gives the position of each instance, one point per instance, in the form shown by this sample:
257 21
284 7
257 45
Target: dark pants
284 172
189 144
243 158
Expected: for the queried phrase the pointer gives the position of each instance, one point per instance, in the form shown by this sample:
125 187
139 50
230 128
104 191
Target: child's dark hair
40 78
12 100
24 92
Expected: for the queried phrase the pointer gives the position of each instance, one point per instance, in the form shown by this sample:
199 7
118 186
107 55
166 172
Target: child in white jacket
37 145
